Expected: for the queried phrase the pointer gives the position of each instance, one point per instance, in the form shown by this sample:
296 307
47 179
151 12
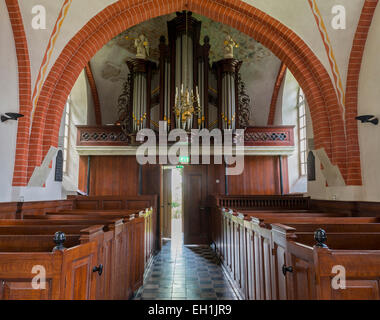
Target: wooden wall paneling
260 176
285 174
41 207
151 179
8 210
362 283
113 175
79 282
302 281
82 175
215 172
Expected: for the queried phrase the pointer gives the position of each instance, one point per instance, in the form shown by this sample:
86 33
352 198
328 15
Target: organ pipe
141 71
227 71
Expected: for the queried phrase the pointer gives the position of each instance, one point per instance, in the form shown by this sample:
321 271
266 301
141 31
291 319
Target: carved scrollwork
125 106
244 111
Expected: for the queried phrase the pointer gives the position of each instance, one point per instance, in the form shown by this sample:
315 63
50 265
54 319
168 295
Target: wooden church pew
128 235
149 246
43 221
248 253
104 237
121 263
60 267
130 246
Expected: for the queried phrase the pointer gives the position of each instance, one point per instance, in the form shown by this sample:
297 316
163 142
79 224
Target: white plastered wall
287 114
78 116
9 103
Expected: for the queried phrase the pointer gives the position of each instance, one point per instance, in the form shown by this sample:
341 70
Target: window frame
301 102
66 135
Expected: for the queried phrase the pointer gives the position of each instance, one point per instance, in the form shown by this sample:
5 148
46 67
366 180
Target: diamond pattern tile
181 272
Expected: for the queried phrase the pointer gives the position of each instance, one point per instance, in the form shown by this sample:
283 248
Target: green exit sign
179 167
184 159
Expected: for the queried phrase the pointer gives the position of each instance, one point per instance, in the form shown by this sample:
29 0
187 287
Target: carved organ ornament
184 74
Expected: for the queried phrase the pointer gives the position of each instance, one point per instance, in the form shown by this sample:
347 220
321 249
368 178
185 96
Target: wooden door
301 282
167 204
79 278
196 224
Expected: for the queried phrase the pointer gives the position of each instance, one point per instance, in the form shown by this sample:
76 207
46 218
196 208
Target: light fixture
368 118
11 116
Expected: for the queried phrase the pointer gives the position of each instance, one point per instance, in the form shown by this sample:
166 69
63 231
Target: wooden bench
129 246
149 243
60 268
254 251
124 242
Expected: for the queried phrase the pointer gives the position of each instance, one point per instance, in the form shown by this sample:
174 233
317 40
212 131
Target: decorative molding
244 105
125 106
131 150
49 50
101 135
329 51
268 136
282 136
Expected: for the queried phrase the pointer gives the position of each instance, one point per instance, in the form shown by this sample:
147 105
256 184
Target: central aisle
183 272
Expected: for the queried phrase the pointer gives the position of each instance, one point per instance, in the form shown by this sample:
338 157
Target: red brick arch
354 176
327 117
24 83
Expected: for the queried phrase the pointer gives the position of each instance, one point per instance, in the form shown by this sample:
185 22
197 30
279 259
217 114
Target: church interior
189 150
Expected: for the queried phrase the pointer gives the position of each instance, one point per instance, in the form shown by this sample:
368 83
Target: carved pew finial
320 237
59 239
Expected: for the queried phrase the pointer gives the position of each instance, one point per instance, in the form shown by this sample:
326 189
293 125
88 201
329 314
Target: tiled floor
185 273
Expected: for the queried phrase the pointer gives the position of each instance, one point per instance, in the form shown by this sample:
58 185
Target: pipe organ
185 98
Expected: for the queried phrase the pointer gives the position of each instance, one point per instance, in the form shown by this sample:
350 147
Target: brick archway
24 82
329 132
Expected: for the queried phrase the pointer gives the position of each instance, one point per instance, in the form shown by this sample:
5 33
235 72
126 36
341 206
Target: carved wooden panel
22 290
358 289
80 281
269 136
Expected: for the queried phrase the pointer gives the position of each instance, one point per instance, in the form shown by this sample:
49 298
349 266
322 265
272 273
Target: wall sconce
11 116
368 118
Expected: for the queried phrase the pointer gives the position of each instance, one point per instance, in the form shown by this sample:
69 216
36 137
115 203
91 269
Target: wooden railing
286 202
269 136
101 136
253 136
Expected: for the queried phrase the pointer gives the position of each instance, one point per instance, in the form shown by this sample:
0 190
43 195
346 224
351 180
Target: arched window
301 106
66 137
